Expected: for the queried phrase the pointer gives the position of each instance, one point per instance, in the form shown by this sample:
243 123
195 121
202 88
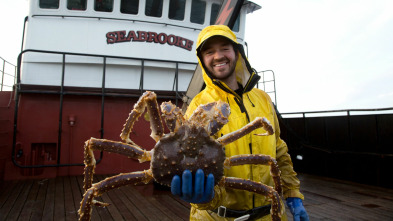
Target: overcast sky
326 54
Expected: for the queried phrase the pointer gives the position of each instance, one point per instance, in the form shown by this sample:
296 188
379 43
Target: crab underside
189 145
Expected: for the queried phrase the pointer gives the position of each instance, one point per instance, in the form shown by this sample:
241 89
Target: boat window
52 4
176 9
103 5
237 24
198 10
76 5
153 8
214 13
129 6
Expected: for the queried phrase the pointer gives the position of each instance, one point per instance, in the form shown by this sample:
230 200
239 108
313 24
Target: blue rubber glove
200 192
297 209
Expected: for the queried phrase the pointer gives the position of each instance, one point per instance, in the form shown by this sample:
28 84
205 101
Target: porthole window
129 6
177 9
51 4
103 5
198 10
153 8
76 5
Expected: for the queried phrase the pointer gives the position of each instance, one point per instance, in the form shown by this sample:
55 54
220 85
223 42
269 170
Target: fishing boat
84 64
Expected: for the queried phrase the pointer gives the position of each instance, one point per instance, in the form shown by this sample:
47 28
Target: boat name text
150 37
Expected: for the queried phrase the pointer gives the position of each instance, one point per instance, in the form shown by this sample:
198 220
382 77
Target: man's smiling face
219 57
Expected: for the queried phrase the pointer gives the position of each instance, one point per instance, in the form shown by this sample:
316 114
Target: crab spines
90 164
277 208
92 144
125 149
255 124
266 126
173 116
147 101
86 205
212 116
106 185
258 159
222 112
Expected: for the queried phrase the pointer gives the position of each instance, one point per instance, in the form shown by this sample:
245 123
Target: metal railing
61 92
352 144
265 81
8 71
347 111
304 140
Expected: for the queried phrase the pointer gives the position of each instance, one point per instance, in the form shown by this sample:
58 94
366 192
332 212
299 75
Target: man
229 77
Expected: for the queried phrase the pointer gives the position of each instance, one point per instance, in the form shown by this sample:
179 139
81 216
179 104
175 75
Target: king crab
189 145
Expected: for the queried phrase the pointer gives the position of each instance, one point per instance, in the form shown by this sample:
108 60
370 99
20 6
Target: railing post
61 111
349 128
305 126
142 75
2 76
103 98
15 72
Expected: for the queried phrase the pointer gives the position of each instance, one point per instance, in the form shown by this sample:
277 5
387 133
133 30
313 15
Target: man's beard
228 74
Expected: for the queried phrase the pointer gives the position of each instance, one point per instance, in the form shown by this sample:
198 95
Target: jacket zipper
244 110
239 102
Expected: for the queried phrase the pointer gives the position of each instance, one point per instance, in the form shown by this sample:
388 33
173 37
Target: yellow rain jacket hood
253 103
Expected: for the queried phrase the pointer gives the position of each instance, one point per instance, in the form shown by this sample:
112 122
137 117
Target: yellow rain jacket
254 103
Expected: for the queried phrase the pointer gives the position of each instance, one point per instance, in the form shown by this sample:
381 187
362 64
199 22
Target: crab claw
266 126
212 116
220 119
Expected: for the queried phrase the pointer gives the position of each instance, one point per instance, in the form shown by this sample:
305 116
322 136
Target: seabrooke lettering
149 37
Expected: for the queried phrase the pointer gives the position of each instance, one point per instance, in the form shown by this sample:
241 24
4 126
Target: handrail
336 111
304 142
91 55
268 81
62 92
3 73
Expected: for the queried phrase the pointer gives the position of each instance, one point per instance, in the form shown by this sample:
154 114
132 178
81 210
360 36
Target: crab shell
189 148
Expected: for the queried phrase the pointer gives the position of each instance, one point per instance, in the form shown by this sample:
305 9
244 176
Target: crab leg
173 116
147 101
108 184
258 159
255 124
110 146
241 184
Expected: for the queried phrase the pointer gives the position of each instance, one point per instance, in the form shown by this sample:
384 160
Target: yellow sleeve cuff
214 203
293 193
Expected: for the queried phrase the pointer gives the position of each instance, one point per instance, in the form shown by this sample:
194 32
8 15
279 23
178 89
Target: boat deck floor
58 199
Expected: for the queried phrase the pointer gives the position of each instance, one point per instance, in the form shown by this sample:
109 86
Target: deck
58 199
